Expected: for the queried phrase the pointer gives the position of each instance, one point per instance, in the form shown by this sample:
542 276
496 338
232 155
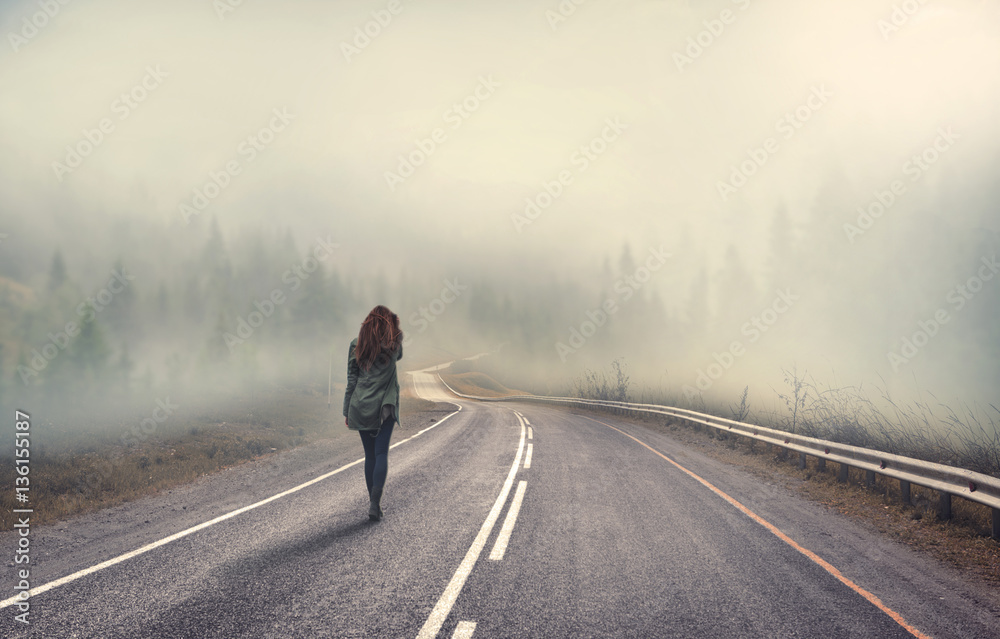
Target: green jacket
368 391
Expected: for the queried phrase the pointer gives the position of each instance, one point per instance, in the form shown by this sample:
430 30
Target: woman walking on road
371 402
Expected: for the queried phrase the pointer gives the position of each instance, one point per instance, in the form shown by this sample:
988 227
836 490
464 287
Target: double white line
447 600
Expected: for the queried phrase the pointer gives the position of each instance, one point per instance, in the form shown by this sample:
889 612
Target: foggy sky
554 86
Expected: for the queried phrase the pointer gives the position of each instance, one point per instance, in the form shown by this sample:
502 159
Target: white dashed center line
500 546
527 457
464 630
450 594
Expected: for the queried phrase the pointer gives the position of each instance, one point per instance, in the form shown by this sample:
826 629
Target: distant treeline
147 306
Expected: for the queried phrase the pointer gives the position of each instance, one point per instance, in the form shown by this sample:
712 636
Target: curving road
502 520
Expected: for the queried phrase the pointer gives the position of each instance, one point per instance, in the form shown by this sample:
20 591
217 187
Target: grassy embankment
464 377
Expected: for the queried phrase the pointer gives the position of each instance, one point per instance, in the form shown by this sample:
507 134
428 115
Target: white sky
609 59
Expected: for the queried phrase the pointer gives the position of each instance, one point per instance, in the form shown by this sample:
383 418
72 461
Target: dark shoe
374 507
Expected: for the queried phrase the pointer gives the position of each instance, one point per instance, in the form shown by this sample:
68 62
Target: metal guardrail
947 480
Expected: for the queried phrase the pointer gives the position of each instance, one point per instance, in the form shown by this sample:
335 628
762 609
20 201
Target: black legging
377 456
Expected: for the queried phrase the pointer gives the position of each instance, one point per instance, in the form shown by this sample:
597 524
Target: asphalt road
611 539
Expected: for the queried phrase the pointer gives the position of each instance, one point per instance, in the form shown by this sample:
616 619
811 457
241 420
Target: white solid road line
500 546
527 457
464 630
184 533
450 594
421 432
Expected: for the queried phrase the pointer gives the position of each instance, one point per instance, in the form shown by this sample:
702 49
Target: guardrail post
842 473
904 492
870 478
802 461
944 506
821 464
996 523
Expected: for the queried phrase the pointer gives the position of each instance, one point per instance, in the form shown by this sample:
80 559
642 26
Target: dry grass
967 436
479 384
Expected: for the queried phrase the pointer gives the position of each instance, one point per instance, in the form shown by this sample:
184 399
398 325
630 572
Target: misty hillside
621 183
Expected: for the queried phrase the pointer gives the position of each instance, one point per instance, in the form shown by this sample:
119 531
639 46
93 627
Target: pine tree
57 272
780 264
194 302
626 263
216 350
217 268
123 369
120 313
737 293
312 315
83 366
162 308
697 306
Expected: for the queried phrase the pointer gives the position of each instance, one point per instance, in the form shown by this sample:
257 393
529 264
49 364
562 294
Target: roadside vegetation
967 438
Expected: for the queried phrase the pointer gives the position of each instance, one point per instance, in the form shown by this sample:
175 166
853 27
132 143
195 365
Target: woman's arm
352 378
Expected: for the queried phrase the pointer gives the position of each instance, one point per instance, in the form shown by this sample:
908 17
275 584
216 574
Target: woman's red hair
379 334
